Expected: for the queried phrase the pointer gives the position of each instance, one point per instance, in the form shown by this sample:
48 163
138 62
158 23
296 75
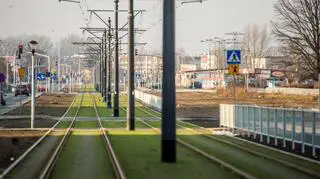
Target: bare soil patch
48 104
203 104
26 123
14 143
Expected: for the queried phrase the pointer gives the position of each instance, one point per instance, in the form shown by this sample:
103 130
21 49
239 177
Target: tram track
205 133
116 168
20 160
48 167
183 143
46 172
113 158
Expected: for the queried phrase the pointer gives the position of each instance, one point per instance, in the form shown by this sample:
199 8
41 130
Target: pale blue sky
193 21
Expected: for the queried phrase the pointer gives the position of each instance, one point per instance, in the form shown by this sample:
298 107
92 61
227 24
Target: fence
296 126
149 99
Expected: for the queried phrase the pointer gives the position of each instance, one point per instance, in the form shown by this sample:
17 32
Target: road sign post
234 61
21 75
2 79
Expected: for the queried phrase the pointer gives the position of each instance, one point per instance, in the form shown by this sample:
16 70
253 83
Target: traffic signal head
20 51
20 48
136 51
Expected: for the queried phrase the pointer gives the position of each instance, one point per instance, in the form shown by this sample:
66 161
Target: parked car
25 90
41 88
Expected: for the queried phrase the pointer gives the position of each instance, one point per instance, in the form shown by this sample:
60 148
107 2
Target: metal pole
59 70
70 80
234 89
210 60
116 61
7 77
49 70
32 90
284 129
168 129
302 133
101 70
105 66
293 130
109 65
14 71
319 92
20 95
275 127
130 105
313 137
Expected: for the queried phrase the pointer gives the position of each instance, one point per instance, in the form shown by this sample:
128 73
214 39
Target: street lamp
209 41
33 45
70 1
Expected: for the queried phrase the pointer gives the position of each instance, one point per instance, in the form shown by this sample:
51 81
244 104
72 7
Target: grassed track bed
142 159
84 156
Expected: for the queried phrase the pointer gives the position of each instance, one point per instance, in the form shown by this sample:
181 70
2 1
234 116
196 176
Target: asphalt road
12 102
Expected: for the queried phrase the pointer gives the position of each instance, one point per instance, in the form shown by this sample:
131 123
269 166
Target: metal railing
298 126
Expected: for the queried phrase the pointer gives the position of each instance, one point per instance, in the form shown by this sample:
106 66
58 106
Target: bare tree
298 28
66 46
256 41
10 44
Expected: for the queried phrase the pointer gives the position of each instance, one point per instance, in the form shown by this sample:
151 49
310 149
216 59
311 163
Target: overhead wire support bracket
92 33
112 10
94 12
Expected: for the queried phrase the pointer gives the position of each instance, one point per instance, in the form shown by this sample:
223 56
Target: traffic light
136 51
48 74
20 51
56 63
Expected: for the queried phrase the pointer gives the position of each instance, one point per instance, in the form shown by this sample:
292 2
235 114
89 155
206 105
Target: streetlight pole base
130 124
168 146
116 112
109 101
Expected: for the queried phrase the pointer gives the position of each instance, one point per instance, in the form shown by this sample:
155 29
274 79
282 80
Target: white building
208 62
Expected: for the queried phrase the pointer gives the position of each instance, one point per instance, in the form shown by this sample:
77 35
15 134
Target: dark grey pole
168 130
130 105
101 70
116 62
109 65
105 66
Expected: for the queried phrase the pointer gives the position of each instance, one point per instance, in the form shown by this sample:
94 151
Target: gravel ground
48 104
202 104
25 123
13 143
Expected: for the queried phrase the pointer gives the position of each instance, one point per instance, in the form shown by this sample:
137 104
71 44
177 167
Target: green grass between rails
121 124
139 155
254 165
63 124
299 162
264 151
261 172
84 156
86 124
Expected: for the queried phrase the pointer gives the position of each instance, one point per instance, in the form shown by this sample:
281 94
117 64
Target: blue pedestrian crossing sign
233 56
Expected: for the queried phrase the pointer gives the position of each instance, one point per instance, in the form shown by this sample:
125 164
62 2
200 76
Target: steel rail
52 161
199 151
248 150
22 157
113 157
